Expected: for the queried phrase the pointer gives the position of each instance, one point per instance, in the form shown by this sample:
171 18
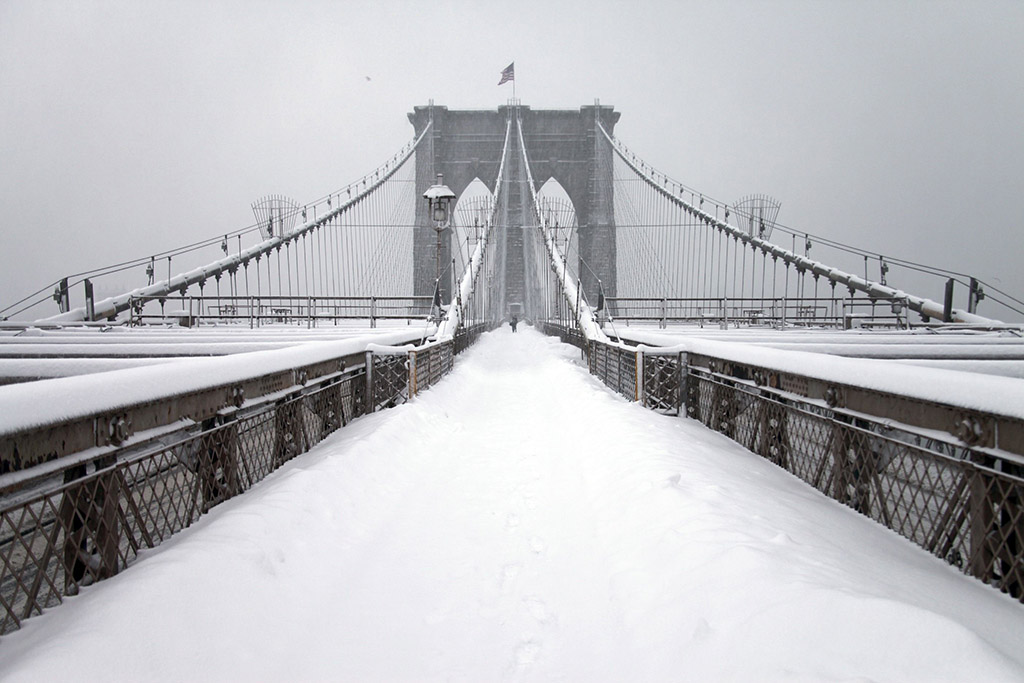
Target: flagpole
509 74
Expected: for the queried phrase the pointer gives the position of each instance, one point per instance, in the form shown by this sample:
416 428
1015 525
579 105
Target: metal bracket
113 430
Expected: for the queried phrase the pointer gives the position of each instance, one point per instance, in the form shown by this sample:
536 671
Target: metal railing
839 312
74 521
617 368
398 374
257 311
959 503
465 335
74 525
566 333
949 480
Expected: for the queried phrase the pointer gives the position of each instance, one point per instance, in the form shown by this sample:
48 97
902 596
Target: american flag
509 74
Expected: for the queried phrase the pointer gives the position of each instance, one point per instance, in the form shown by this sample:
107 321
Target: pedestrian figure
513 322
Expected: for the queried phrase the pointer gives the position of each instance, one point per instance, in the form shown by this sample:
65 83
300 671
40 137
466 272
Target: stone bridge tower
562 144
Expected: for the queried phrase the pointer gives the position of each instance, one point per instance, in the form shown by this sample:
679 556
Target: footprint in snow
702 631
526 653
538 609
508 577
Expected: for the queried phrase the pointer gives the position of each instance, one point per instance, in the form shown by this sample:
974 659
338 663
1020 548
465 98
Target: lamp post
439 200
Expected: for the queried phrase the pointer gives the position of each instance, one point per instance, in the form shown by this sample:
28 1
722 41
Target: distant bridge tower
562 144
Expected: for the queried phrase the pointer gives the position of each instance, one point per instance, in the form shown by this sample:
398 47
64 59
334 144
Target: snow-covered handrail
570 290
452 320
925 307
179 283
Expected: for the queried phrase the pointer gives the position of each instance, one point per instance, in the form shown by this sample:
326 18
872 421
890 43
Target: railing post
217 463
619 357
639 384
976 295
853 465
947 302
289 430
982 518
724 408
684 379
996 526
88 514
373 312
63 298
90 302
770 439
370 399
413 374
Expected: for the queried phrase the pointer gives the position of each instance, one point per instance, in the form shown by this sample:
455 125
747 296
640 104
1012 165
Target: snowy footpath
520 522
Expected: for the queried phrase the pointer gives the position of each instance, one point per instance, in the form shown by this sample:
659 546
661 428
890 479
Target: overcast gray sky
131 127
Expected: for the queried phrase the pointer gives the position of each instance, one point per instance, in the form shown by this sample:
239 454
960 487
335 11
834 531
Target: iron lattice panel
390 380
466 335
663 383
82 526
957 503
433 363
627 373
566 334
616 367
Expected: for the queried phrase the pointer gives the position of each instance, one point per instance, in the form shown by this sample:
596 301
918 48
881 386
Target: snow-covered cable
453 319
112 306
925 307
571 291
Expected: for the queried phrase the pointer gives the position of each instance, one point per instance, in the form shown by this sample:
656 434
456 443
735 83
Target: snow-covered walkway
520 522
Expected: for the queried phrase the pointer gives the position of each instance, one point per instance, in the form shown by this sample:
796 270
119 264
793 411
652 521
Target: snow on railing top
32 406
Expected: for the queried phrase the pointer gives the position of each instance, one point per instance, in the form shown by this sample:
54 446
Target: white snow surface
519 521
48 368
32 405
999 395
1003 368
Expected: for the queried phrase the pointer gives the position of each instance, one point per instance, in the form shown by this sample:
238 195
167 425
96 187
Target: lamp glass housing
440 210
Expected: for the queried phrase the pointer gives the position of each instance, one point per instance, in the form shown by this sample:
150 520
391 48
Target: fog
127 128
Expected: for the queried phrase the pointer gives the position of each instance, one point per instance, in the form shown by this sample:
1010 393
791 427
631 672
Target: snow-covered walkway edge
520 522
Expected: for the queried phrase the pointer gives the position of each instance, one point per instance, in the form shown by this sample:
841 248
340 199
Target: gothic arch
561 144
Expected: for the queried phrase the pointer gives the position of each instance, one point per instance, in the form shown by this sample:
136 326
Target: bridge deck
519 521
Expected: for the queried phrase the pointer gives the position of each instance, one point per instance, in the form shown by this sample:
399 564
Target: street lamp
439 202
